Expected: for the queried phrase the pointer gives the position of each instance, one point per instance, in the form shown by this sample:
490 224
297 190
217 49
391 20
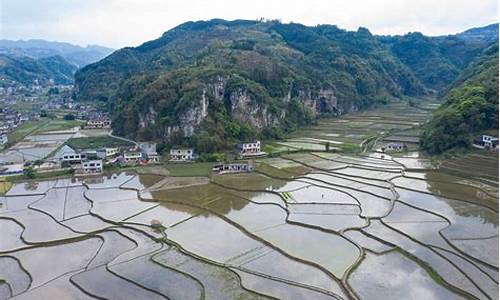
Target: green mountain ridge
27 71
211 83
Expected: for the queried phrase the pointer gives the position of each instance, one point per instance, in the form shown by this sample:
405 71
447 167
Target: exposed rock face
322 101
245 109
242 106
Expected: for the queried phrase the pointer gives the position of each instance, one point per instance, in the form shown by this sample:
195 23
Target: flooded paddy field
310 225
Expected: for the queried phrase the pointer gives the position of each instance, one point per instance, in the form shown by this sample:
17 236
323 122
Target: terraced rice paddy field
310 225
350 131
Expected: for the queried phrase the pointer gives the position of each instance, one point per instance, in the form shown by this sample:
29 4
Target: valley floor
308 225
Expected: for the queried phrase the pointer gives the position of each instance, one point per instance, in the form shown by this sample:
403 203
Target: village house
149 150
68 155
181 154
232 168
3 139
105 153
250 149
486 142
98 123
394 147
132 157
92 167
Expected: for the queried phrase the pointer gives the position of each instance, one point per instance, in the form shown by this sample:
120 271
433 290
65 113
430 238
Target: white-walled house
232 168
490 141
3 139
69 155
149 150
104 153
92 167
250 149
98 123
181 154
394 147
132 157
486 141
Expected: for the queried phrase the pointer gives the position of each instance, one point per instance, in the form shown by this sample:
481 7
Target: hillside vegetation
26 70
470 106
212 83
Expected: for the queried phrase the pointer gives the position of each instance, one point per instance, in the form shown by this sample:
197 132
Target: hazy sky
119 23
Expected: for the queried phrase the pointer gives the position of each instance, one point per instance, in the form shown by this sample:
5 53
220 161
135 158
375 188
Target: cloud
119 23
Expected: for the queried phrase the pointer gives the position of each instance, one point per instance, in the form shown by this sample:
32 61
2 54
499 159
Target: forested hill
470 106
44 71
232 80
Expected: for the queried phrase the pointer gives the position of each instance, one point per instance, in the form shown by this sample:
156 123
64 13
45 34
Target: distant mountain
470 106
437 61
487 33
26 70
79 56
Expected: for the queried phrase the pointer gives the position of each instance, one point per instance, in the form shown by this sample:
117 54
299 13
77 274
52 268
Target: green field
189 169
59 124
97 142
25 129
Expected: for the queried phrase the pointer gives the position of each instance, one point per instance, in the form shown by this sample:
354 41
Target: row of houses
245 150
92 161
10 120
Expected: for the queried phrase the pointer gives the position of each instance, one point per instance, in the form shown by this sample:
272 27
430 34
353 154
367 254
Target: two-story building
98 123
133 157
182 154
149 150
68 155
250 149
105 153
92 166
487 141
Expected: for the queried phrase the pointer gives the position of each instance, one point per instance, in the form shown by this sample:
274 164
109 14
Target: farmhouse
231 168
68 155
149 150
394 147
181 154
92 167
132 157
486 142
98 123
104 153
250 149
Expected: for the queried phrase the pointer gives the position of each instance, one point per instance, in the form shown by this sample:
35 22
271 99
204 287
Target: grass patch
189 169
97 142
4 186
25 129
59 124
41 176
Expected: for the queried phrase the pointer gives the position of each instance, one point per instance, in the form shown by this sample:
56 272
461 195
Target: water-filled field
310 225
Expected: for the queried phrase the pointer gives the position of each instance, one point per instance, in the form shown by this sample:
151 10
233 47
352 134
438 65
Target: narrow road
110 134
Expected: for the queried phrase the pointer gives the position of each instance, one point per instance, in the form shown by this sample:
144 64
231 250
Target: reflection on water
290 237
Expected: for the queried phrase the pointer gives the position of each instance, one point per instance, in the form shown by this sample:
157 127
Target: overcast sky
119 23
